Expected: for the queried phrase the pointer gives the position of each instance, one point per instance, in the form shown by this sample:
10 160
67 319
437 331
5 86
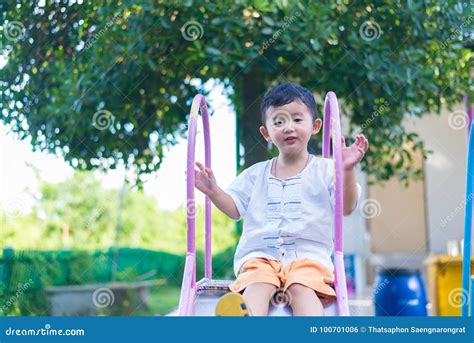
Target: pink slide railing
188 288
332 128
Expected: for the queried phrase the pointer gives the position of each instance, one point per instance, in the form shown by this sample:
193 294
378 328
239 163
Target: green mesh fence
39 269
34 270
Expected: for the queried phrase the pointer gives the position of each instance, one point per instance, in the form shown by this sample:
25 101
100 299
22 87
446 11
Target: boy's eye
298 119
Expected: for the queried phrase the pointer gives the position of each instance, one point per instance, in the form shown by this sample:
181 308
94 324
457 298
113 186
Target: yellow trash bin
445 284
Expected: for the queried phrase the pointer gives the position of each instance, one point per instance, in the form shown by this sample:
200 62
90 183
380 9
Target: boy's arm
351 156
225 203
206 182
350 191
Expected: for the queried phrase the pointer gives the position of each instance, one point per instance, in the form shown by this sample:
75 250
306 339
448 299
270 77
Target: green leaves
136 61
213 51
268 21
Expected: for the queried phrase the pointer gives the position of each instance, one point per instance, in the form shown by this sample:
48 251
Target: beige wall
401 225
423 217
445 175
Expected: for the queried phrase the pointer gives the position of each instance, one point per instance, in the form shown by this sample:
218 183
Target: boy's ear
317 125
264 133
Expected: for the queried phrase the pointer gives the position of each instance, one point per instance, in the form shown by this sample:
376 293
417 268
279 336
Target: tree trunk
252 91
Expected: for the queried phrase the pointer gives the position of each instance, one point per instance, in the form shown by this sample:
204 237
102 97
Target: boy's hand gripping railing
332 128
188 288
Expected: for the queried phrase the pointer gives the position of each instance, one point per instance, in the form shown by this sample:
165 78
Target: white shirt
286 219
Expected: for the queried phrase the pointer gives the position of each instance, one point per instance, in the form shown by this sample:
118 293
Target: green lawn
163 299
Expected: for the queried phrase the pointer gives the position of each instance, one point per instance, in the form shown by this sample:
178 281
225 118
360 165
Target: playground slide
200 299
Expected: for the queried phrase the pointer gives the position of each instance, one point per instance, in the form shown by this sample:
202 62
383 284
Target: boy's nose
289 127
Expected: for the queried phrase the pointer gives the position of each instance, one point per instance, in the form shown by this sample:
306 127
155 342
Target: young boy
287 205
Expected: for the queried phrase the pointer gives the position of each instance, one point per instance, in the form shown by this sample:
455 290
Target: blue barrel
399 292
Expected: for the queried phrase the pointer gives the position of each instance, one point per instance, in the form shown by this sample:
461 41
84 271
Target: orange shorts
304 271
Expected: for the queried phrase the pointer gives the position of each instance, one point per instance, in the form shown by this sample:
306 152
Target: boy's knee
258 295
299 290
260 292
262 288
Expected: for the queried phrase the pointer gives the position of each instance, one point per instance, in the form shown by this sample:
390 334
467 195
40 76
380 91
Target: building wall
425 216
445 175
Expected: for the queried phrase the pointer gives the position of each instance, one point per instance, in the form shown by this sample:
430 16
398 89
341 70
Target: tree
78 213
106 82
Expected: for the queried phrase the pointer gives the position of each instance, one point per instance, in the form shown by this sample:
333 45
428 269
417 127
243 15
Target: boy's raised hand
204 179
353 154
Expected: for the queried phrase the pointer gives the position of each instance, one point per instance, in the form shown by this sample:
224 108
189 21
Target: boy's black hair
284 94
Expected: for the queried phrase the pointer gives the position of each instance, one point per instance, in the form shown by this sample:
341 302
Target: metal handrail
188 288
332 128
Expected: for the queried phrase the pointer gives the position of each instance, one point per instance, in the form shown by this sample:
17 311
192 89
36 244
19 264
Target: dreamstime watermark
458 32
102 119
27 107
281 298
19 292
44 331
94 38
14 31
458 120
103 297
378 110
458 297
380 286
359 310
191 210
95 214
16 207
370 208
370 31
286 24
192 30
456 211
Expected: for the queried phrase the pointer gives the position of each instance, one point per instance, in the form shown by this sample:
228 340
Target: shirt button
280 240
283 252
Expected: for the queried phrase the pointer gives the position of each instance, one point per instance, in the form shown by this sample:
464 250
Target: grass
164 298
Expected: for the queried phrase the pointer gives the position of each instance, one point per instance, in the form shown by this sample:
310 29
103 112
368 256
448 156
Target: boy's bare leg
304 301
257 296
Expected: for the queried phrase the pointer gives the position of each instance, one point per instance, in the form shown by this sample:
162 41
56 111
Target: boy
287 207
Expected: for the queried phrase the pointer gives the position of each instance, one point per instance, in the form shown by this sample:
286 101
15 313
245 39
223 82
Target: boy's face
290 127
